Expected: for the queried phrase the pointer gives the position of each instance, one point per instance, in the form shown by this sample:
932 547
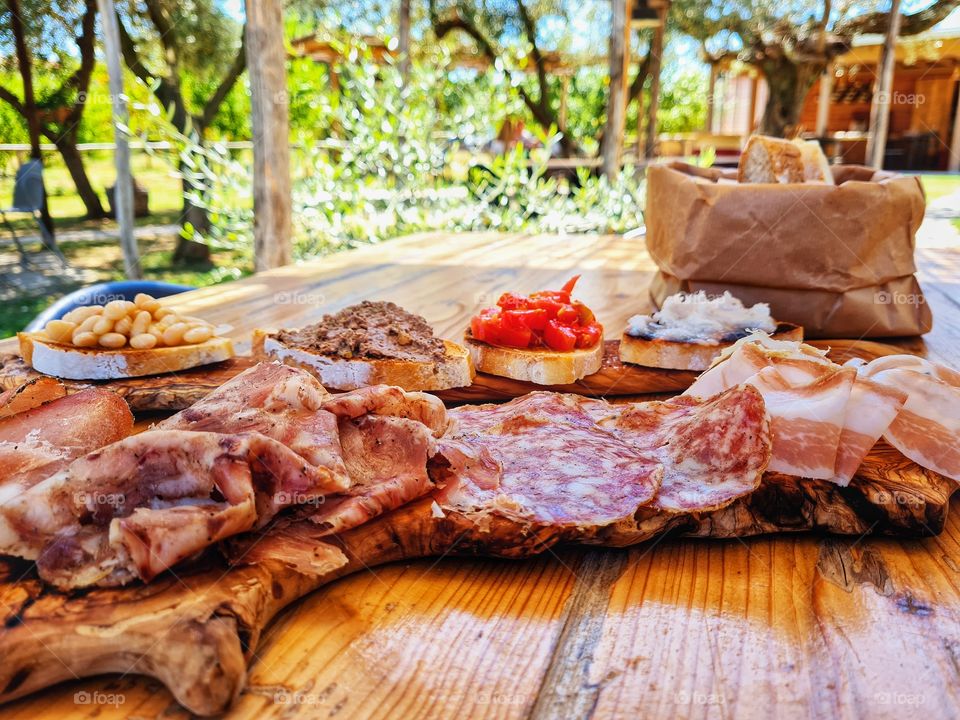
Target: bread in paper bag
837 259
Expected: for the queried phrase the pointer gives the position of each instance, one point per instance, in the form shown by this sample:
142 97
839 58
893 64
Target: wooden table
789 626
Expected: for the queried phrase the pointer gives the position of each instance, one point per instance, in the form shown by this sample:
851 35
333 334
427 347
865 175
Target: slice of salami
542 459
712 452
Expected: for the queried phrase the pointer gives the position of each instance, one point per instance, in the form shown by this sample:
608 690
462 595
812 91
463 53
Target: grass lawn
153 173
104 260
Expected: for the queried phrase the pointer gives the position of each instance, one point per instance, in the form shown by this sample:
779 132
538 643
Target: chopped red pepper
548 318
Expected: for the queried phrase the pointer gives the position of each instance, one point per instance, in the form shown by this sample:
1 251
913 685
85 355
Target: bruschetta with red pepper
547 338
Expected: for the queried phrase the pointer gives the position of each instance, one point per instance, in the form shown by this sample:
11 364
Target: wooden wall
923 101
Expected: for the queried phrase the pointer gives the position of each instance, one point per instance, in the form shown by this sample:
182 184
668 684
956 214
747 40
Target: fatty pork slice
541 459
387 400
386 459
927 429
283 403
798 362
142 505
712 452
806 420
870 411
38 442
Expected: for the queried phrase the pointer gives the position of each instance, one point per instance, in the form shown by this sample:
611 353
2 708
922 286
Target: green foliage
381 159
683 102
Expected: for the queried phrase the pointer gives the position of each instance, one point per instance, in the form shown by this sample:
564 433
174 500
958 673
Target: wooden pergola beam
266 67
656 66
880 107
123 185
619 59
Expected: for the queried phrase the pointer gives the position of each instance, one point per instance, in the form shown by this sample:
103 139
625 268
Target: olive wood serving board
198 631
175 391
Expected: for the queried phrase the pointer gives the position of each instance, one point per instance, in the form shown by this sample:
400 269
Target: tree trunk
191 251
788 83
24 63
78 173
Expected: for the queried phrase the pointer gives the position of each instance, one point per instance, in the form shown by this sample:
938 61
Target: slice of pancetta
806 420
871 409
927 428
798 362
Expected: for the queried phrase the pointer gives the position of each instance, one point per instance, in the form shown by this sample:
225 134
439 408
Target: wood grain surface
793 626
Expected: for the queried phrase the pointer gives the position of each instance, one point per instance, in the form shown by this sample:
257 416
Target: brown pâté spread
368 331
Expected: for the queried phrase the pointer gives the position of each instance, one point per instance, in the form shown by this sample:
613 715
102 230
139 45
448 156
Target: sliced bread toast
672 355
540 366
82 363
337 373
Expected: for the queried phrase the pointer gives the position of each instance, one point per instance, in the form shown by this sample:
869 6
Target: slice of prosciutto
712 452
40 441
283 403
542 459
30 394
139 506
927 428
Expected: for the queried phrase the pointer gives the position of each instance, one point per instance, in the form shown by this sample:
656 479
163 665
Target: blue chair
28 196
101 294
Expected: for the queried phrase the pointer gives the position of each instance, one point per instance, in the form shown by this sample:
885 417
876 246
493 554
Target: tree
791 43
491 26
57 112
189 78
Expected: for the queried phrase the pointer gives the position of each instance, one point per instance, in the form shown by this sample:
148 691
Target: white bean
60 331
173 335
113 340
197 334
143 341
84 339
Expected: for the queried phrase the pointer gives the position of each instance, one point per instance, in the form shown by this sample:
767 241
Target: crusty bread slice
671 355
539 366
78 363
336 373
770 160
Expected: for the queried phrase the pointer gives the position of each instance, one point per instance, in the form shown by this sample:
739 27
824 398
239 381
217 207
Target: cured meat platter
197 632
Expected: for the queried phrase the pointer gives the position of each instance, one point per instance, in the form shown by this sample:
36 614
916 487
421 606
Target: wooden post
656 53
617 105
754 86
953 165
404 38
266 65
880 107
711 98
123 185
564 97
823 100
